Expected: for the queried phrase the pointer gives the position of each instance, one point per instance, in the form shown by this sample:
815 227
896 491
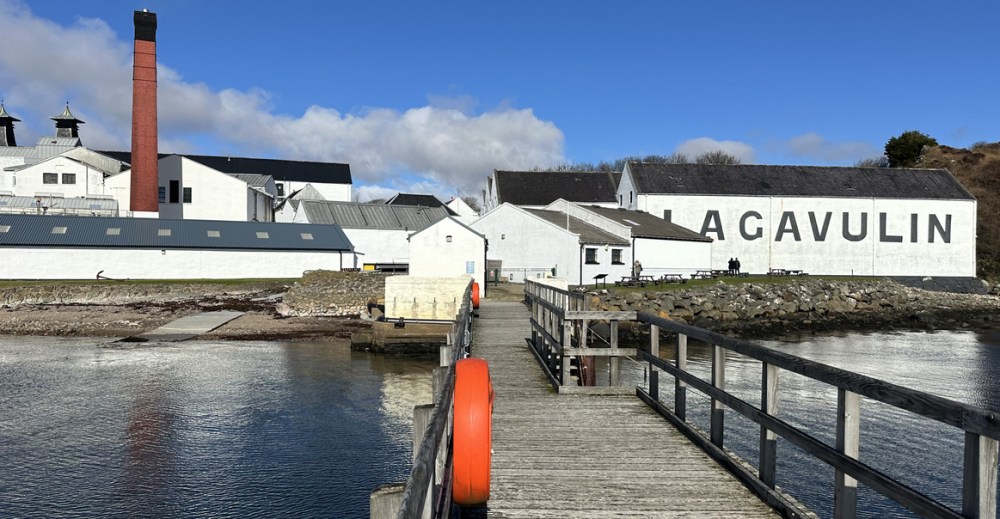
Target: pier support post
680 387
845 493
979 483
719 381
613 362
654 350
768 438
384 501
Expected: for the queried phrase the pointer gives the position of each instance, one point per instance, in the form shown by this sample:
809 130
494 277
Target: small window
4 228
591 256
616 257
163 232
58 230
175 191
629 198
213 234
50 178
281 190
113 231
69 178
161 195
187 195
307 236
262 235
667 215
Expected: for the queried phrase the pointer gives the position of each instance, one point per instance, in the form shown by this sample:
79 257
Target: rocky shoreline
326 306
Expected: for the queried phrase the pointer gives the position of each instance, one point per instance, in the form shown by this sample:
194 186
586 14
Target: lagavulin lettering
853 227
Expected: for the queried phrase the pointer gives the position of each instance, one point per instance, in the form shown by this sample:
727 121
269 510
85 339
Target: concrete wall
433 255
836 236
37 263
430 298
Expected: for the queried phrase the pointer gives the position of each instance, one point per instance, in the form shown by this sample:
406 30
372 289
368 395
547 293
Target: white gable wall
30 180
214 195
663 256
833 236
528 246
330 191
627 196
380 245
433 255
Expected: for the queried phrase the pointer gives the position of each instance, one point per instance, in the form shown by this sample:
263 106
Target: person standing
637 269
732 267
736 266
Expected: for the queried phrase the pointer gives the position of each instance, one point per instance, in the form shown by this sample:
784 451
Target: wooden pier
589 456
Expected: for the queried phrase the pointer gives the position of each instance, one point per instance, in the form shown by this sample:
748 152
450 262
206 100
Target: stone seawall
804 304
333 294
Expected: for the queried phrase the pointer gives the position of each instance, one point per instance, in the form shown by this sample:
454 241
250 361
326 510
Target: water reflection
233 429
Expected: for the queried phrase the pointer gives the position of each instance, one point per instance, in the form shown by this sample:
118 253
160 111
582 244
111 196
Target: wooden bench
672 278
701 274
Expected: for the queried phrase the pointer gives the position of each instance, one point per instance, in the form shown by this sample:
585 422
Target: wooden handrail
981 426
419 498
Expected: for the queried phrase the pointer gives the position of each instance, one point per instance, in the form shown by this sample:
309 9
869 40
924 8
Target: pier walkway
587 456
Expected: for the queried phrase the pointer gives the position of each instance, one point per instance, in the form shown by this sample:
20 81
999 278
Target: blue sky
432 96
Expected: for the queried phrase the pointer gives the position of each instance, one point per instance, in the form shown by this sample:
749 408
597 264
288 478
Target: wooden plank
601 352
574 454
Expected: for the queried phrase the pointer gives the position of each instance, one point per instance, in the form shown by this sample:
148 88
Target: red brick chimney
144 192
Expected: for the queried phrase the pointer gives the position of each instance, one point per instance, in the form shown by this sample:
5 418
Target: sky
431 97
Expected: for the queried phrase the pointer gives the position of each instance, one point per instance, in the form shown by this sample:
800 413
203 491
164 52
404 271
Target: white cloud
694 147
444 143
812 146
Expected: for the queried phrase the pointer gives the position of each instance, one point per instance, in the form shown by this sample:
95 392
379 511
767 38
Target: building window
161 195
175 191
616 257
113 231
58 230
50 178
69 178
591 256
163 232
630 198
667 215
187 195
262 235
281 190
307 236
4 228
213 234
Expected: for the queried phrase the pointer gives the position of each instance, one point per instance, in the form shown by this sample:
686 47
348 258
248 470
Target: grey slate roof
811 181
150 233
588 233
544 187
353 215
298 171
645 225
415 199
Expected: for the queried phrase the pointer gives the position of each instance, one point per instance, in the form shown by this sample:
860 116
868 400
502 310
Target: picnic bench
632 281
701 274
786 272
672 278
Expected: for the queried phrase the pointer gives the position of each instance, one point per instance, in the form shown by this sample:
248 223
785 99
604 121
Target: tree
873 162
472 202
904 150
716 157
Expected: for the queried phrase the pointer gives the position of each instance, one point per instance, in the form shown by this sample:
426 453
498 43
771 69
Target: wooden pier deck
587 456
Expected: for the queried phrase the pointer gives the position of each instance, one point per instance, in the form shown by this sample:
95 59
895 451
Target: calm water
201 429
924 454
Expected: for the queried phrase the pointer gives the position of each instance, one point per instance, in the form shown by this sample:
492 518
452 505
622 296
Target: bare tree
717 157
472 202
873 162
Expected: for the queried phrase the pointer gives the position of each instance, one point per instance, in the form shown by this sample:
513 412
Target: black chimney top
145 25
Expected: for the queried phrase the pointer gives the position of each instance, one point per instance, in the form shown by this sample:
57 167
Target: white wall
760 231
30 180
432 255
626 187
661 256
39 263
331 192
582 213
615 271
214 195
528 246
380 246
119 186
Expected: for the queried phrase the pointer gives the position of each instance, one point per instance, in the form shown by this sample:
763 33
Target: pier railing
559 331
427 493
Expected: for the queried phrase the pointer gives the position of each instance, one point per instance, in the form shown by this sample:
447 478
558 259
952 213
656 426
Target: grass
701 283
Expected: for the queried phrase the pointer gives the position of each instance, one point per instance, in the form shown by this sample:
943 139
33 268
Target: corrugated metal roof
98 232
96 160
813 181
299 171
253 180
588 233
58 205
645 225
353 215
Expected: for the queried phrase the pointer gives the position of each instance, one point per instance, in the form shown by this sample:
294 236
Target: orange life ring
475 295
472 438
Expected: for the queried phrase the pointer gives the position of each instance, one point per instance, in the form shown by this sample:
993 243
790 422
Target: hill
978 169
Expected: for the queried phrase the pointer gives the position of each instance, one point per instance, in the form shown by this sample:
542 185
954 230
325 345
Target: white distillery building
448 248
661 247
822 220
379 232
537 243
72 247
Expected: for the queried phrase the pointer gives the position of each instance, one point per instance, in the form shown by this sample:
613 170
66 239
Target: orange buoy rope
475 295
472 439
